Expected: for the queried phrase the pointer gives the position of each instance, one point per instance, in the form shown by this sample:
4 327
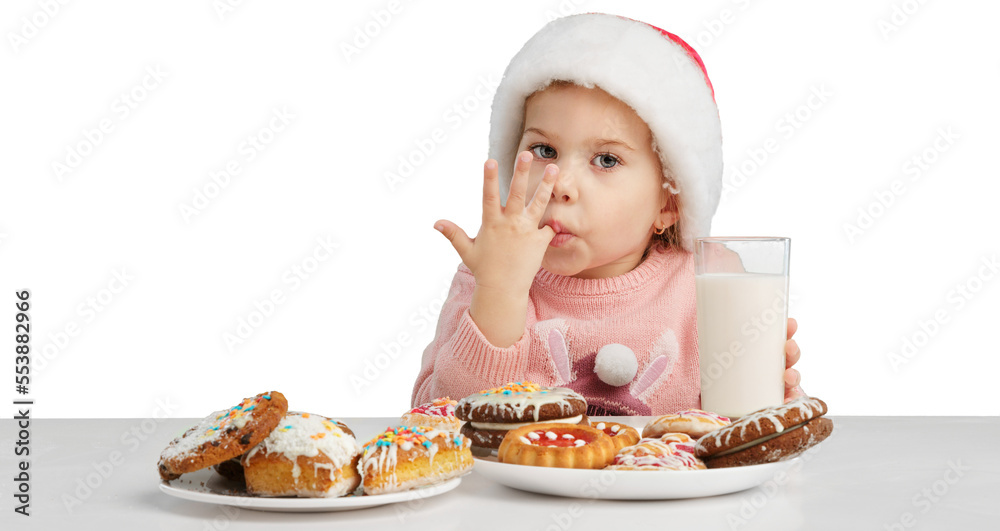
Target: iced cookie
490 414
223 435
767 435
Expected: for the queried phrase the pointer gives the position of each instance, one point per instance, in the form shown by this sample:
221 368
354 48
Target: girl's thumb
458 238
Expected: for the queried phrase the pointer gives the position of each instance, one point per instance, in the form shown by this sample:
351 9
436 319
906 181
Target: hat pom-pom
616 364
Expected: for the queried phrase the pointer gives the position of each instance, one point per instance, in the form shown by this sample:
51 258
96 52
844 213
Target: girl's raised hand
508 250
793 380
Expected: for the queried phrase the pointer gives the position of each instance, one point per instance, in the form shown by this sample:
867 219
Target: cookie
490 414
521 402
307 455
767 435
694 422
438 414
223 435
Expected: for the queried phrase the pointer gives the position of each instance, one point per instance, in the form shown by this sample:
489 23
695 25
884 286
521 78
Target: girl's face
609 196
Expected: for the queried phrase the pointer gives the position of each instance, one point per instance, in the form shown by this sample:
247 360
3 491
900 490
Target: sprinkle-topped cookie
223 435
521 402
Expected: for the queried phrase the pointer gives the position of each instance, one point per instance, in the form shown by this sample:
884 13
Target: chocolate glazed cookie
767 435
490 414
223 435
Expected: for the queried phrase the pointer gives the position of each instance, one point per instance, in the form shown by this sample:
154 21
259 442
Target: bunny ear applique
559 353
665 351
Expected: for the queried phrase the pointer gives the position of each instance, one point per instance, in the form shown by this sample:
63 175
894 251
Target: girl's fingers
491 189
793 393
519 184
793 325
792 378
544 192
792 353
458 238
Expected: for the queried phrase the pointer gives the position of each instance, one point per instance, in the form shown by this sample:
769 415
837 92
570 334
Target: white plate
629 484
208 487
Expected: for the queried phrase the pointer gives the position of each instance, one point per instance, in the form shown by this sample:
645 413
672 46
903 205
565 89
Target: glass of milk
742 290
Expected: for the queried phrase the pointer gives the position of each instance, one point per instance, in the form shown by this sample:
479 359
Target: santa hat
651 70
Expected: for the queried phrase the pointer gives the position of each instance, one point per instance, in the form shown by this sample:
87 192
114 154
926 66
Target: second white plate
629 484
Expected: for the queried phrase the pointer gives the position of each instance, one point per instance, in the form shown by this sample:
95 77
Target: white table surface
874 473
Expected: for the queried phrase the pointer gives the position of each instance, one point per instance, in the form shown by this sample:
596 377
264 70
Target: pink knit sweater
650 310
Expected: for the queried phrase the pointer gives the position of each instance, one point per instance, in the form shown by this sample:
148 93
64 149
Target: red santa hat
651 70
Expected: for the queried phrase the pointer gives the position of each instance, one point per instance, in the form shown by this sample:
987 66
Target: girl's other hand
793 379
508 250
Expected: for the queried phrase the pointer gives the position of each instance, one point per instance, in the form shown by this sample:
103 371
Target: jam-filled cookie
404 457
767 435
307 455
694 422
557 445
438 414
490 414
223 435
621 434
674 451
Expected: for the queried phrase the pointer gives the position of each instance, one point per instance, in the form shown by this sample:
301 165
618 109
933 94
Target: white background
893 82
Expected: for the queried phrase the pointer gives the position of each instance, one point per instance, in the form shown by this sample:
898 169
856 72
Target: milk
742 321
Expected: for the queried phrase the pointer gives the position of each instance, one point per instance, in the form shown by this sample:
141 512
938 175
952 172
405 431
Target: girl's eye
543 151
607 160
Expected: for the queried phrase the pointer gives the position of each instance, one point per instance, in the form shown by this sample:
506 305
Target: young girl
582 273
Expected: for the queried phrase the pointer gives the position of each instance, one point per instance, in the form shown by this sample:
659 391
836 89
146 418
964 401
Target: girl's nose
565 188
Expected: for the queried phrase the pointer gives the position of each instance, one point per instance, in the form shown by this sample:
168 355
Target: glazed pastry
403 458
672 452
307 455
694 422
438 414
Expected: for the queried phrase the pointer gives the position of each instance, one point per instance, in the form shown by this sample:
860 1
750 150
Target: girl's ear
668 209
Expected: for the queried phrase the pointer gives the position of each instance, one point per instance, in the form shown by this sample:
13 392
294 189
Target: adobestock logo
122 107
455 115
915 167
32 25
248 149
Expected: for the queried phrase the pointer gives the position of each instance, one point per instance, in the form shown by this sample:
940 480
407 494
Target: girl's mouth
562 236
560 239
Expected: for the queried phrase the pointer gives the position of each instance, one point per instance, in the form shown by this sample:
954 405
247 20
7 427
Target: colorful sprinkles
234 413
408 436
514 388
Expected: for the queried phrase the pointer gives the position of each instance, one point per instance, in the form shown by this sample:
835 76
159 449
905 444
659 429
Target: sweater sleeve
460 360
